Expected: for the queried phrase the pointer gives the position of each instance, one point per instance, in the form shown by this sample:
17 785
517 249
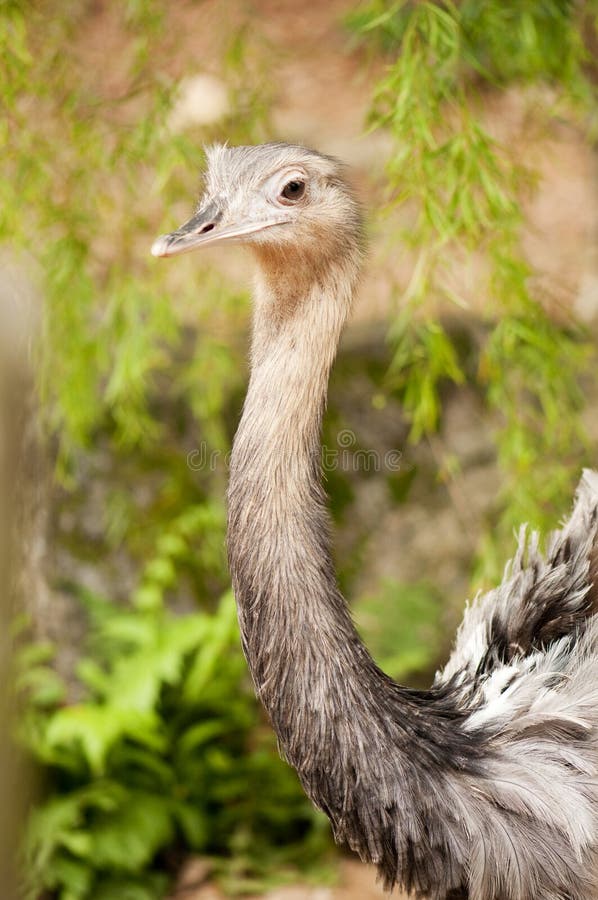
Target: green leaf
95 729
129 837
193 823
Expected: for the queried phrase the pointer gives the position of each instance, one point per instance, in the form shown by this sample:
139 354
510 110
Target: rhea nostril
206 228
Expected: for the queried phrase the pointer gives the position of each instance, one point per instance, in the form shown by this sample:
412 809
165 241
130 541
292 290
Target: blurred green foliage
85 168
162 757
164 752
467 189
409 644
156 748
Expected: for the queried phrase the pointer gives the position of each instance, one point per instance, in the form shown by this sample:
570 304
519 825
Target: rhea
485 786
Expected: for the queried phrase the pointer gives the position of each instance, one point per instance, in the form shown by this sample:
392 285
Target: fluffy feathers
486 786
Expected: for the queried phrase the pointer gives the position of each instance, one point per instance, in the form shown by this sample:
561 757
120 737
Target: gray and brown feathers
485 786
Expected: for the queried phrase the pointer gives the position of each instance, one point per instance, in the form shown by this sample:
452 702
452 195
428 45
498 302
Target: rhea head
280 199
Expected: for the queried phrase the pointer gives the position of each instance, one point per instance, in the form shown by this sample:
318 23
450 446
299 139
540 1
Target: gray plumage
486 786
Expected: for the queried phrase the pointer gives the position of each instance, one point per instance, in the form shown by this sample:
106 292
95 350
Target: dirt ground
356 882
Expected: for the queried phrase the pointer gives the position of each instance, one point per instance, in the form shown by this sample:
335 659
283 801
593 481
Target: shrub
162 756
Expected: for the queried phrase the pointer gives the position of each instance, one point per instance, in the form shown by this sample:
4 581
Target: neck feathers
278 539
278 528
348 730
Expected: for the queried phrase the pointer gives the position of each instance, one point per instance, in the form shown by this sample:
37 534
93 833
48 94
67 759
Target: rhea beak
205 228
200 229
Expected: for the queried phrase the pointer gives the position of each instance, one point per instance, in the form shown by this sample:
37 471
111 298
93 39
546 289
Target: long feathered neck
294 622
351 733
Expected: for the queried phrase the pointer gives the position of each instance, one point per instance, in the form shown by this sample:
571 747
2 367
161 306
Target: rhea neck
350 731
278 540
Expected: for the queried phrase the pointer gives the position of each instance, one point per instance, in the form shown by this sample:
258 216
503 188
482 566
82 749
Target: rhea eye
294 190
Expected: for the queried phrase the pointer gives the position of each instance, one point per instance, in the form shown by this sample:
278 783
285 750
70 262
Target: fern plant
160 757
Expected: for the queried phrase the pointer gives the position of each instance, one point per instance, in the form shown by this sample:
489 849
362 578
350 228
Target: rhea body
484 787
